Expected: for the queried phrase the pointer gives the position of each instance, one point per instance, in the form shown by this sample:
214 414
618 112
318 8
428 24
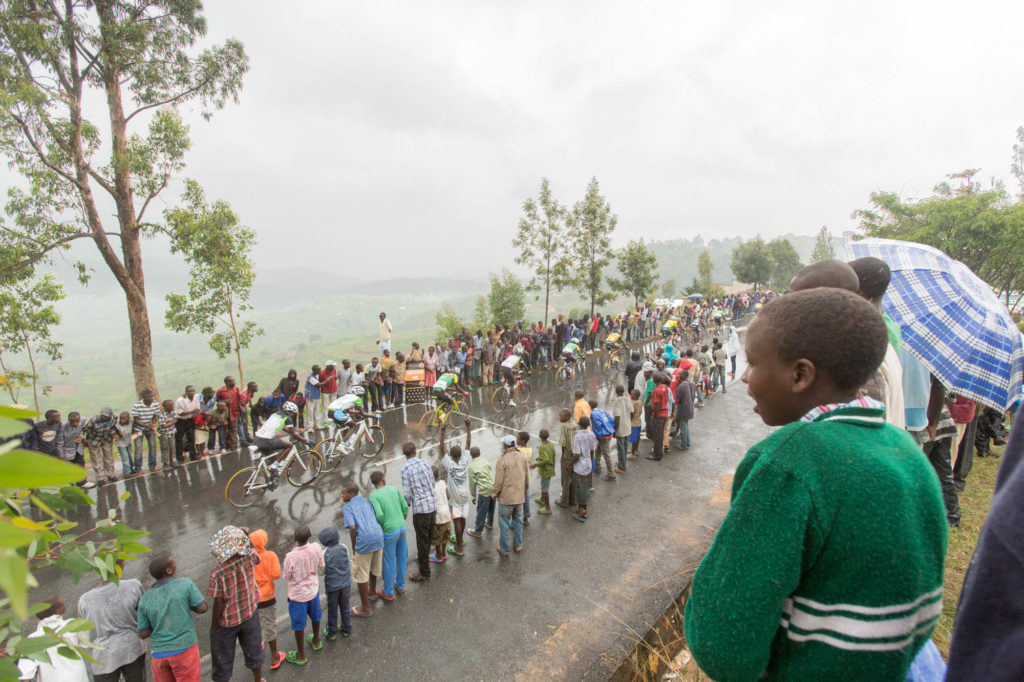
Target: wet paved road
566 608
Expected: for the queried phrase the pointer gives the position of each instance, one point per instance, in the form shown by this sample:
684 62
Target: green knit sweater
829 563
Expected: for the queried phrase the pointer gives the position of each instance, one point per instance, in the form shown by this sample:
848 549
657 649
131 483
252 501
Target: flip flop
581 519
359 615
280 660
452 550
293 657
309 638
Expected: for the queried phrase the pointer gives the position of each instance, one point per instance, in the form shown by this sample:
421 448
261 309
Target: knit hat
229 541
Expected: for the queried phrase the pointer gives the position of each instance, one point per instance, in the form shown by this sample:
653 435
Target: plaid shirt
97 431
168 423
235 582
418 484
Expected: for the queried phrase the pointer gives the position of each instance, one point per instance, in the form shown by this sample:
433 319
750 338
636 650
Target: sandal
381 595
280 659
309 638
359 615
581 519
452 550
293 657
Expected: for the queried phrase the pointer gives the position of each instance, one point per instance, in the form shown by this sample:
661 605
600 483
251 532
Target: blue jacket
338 568
602 424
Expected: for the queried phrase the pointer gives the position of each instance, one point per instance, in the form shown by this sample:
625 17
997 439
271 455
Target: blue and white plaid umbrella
951 321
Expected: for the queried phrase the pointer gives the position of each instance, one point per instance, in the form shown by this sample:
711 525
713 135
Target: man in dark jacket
633 367
988 634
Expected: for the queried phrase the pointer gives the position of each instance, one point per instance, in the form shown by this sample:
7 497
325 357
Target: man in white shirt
186 408
384 339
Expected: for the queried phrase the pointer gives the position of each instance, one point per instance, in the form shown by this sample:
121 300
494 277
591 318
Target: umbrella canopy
696 296
951 321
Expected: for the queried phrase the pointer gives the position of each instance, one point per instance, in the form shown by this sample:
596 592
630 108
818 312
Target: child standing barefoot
442 519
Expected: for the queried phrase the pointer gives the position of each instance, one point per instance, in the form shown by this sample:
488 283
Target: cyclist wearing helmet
347 411
570 352
268 437
445 386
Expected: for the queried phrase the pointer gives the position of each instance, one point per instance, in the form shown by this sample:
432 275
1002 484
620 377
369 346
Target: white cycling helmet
290 408
357 390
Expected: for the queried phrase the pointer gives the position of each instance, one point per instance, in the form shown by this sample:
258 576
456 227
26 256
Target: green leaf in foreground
25 469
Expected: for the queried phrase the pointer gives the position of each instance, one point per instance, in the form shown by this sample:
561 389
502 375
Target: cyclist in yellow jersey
613 340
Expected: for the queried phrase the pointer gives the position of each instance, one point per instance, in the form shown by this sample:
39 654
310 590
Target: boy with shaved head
837 509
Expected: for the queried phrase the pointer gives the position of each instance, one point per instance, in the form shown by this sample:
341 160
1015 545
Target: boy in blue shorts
838 510
301 570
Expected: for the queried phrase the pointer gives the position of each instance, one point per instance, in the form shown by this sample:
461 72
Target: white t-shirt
59 669
444 513
511 362
272 427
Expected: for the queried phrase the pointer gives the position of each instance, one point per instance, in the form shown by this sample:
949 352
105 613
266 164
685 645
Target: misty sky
407 134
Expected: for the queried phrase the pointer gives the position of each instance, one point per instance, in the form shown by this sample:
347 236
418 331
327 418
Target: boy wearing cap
236 597
511 479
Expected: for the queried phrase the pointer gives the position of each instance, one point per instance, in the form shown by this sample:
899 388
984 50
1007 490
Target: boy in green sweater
829 564
545 466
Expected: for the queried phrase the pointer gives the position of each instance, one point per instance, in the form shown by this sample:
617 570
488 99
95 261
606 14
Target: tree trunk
238 347
142 342
35 376
129 273
547 297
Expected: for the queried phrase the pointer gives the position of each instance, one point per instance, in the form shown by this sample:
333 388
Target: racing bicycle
368 441
249 484
433 419
613 362
520 392
568 374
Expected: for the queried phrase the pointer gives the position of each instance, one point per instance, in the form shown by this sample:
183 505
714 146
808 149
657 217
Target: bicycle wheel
370 444
304 468
428 426
561 376
499 399
522 393
331 454
246 487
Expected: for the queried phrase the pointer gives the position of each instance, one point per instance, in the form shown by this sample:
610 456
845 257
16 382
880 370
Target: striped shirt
144 414
418 485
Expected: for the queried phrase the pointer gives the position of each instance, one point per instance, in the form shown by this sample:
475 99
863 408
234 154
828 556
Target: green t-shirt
895 335
167 609
390 508
546 460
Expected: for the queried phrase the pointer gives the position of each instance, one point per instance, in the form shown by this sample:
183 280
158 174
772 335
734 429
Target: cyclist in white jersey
268 437
347 411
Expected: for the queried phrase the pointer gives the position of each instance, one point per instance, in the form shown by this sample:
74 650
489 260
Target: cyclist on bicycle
268 437
570 353
347 411
613 341
445 387
669 328
510 372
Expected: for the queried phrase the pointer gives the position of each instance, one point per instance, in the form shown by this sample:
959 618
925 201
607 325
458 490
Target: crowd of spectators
159 435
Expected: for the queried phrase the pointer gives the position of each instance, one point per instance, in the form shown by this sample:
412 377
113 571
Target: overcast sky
407 134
